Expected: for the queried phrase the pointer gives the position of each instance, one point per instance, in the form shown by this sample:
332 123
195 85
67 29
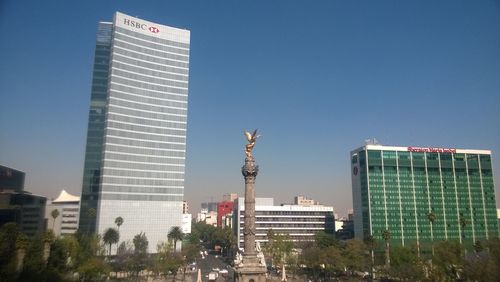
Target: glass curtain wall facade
423 195
95 131
143 140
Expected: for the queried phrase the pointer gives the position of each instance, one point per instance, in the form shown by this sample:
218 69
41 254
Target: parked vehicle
212 276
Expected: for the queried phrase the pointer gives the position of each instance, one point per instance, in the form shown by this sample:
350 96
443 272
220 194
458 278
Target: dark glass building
95 132
11 179
16 205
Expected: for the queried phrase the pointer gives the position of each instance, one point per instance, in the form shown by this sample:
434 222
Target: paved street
207 264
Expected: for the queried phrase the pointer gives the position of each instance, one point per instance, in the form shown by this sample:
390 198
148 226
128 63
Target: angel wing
248 135
254 134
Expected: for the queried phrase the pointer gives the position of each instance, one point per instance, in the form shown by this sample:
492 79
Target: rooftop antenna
371 141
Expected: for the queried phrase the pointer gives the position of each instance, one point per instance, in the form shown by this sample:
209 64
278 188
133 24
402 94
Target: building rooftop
421 149
65 197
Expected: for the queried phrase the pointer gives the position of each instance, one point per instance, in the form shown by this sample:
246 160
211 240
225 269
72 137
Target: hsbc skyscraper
136 139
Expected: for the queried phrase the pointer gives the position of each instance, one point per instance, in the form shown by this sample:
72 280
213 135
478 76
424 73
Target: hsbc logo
139 25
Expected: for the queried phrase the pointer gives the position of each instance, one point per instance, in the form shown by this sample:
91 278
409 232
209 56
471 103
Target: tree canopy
111 236
175 234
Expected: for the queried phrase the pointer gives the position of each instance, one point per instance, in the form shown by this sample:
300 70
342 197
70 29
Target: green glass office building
423 195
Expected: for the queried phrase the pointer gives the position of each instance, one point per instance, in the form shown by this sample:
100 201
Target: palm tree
55 214
463 224
387 236
47 238
432 217
22 243
370 242
111 236
119 222
175 234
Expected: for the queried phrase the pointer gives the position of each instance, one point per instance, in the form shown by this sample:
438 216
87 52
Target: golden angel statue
251 142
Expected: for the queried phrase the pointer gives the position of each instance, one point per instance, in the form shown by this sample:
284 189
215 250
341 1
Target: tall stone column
249 171
251 268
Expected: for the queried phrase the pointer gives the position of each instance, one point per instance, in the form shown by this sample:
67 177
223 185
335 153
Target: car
223 271
212 276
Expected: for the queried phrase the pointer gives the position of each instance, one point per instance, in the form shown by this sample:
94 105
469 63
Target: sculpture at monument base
260 254
239 259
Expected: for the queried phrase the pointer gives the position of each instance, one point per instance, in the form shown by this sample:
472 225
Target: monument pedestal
250 270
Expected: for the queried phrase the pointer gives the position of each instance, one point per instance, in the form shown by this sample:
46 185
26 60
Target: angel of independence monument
250 267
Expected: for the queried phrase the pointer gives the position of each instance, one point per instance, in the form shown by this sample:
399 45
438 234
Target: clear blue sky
315 77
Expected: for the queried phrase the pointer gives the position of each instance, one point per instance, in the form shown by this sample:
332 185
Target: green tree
140 243
334 263
58 265
119 222
324 240
463 224
279 247
386 235
9 233
478 247
71 247
353 255
224 238
204 232
124 257
292 264
190 251
87 247
34 264
371 244
175 234
432 217
48 238
167 261
111 236
22 243
493 247
55 214
447 260
140 258
406 265
314 260
485 264
93 270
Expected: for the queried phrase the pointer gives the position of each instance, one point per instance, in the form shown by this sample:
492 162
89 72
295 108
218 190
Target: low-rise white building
301 223
209 217
227 220
186 223
304 201
67 221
